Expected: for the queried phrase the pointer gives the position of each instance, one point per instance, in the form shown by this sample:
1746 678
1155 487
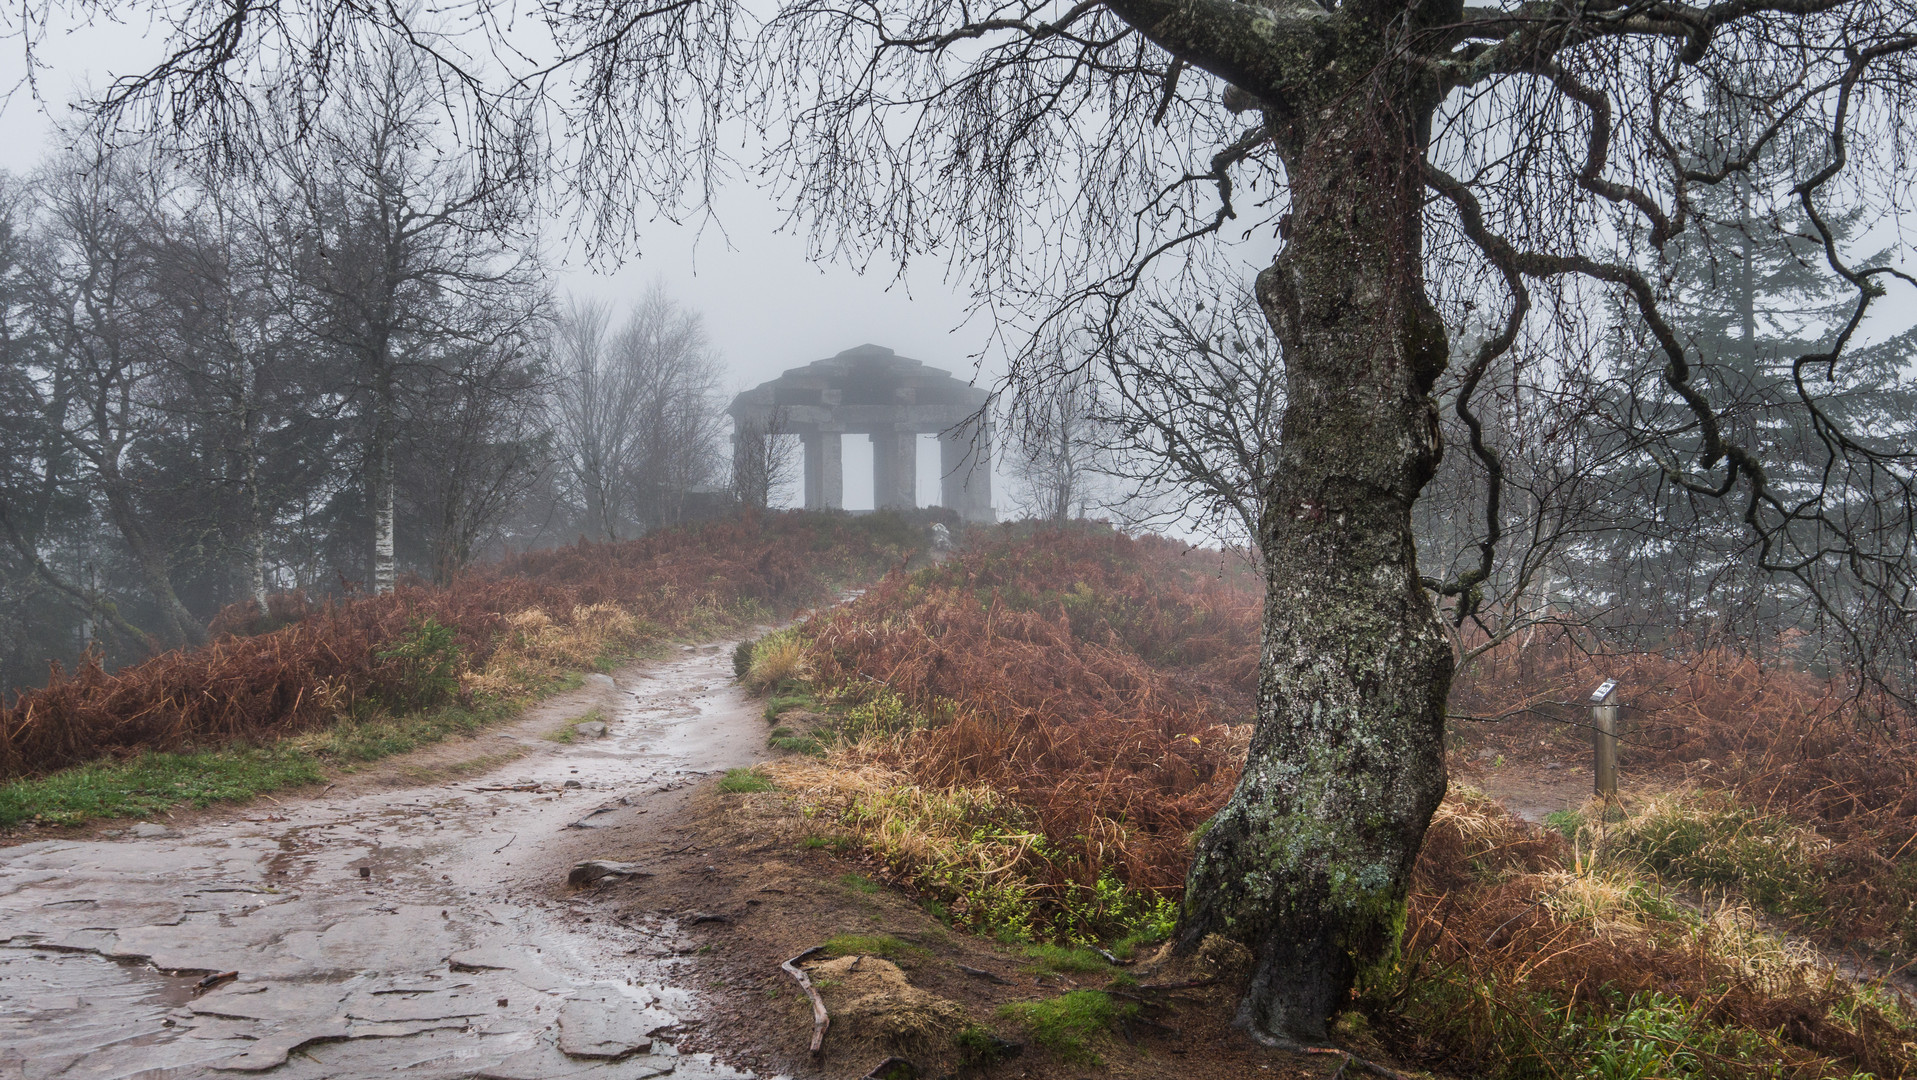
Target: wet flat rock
546 1062
608 1030
386 933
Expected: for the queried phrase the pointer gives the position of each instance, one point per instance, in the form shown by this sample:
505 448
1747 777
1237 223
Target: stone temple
873 391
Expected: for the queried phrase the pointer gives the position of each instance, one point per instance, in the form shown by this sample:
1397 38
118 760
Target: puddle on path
449 958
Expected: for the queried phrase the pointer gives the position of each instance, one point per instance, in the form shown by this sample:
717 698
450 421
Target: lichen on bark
1307 864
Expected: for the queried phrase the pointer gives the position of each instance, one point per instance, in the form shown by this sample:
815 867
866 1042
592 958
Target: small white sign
1603 691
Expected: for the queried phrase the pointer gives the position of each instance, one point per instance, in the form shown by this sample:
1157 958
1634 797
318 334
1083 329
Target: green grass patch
780 703
565 733
1567 822
797 744
1129 946
1065 959
859 883
1716 844
1067 1024
884 945
357 740
152 783
745 782
979 1046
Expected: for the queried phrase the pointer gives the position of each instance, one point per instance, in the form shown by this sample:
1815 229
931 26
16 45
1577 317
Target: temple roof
867 388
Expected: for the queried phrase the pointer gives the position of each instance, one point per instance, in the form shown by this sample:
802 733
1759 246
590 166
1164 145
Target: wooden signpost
1604 739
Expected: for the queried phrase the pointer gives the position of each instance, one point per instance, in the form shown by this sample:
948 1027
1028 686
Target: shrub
418 669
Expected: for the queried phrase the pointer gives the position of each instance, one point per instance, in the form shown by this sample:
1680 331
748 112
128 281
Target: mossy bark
1307 864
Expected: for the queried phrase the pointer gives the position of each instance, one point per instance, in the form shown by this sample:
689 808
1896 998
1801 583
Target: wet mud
420 931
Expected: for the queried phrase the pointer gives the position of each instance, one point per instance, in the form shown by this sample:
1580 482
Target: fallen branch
820 1021
1179 985
981 973
1351 1059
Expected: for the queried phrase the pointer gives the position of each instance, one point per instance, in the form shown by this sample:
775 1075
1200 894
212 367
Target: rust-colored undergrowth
1522 958
1088 676
1093 680
504 619
1781 739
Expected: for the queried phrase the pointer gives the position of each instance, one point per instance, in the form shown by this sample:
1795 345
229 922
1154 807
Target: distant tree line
343 366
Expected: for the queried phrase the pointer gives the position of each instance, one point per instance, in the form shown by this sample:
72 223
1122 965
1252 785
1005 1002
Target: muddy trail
386 926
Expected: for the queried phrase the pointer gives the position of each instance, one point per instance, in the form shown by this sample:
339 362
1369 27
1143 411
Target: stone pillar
895 468
824 469
965 472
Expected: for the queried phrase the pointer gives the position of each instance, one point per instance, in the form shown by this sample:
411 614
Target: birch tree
401 240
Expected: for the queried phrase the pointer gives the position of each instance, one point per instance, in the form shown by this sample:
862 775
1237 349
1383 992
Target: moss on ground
1069 1024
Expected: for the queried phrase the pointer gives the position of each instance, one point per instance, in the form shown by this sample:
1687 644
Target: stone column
965 472
895 468
824 469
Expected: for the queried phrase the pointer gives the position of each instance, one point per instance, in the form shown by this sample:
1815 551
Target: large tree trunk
1307 864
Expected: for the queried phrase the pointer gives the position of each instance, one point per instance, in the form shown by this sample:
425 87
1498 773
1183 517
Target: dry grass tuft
777 658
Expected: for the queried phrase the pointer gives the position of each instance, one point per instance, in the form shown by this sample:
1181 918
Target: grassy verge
154 783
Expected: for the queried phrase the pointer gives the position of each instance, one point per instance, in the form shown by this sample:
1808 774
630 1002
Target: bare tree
477 442
594 400
765 458
637 417
1409 160
1059 448
98 294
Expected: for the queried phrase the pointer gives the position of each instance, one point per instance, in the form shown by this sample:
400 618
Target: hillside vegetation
1029 736
373 674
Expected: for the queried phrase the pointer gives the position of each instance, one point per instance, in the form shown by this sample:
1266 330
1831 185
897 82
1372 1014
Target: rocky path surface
419 931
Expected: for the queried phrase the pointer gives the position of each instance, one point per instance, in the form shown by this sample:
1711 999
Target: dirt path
423 929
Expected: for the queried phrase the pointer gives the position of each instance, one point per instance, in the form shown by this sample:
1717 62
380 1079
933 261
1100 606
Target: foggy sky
766 306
